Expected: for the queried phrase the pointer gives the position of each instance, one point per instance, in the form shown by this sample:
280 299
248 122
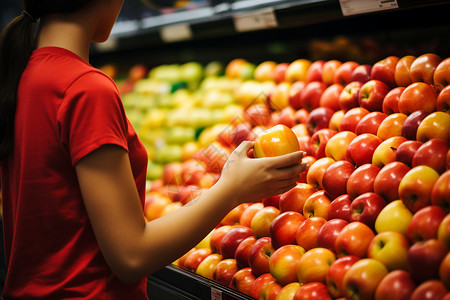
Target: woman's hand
254 179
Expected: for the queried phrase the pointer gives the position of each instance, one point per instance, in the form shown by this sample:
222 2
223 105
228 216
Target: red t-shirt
65 110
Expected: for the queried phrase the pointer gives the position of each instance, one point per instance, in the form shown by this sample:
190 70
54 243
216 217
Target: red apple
362 73
328 71
384 70
417 96
440 194
261 221
406 151
348 98
335 178
362 180
314 264
372 94
309 161
336 272
207 266
441 76
308 231
286 117
351 118
361 149
425 223
429 290
195 258
328 233
386 152
354 239
443 100
330 97
415 187
412 122
390 102
259 282
423 68
317 205
242 253
391 249
444 271
340 208
260 254
318 118
370 123
311 94
337 145
217 236
233 217
312 290
280 72
247 215
275 141
343 74
436 125
270 291
424 259
366 207
297 70
288 291
243 281
388 179
264 71
314 177
432 153
295 94
257 114
362 279
391 126
224 271
232 239
295 198
284 227
283 263
180 261
402 70
314 72
214 156
396 285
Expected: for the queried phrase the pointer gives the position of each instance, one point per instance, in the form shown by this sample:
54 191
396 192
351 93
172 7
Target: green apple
395 216
391 249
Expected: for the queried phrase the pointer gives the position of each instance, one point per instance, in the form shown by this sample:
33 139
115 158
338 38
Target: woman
73 170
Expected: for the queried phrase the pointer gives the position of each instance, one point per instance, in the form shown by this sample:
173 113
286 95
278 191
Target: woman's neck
65 32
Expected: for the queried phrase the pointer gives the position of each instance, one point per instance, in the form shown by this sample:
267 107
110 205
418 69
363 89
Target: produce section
373 203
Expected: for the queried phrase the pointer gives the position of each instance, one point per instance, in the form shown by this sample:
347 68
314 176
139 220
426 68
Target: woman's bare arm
133 248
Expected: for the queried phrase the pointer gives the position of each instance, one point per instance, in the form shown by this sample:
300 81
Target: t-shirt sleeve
91 115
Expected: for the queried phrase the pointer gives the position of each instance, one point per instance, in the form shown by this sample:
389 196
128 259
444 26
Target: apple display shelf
174 283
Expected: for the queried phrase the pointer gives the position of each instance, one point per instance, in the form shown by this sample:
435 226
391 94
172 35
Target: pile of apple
369 218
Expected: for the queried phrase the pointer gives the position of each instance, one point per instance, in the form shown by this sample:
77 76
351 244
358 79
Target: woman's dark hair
17 42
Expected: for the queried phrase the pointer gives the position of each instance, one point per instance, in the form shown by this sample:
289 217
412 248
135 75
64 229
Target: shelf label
176 32
216 294
354 7
255 20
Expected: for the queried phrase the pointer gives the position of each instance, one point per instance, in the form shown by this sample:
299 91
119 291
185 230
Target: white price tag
176 32
353 7
216 294
255 20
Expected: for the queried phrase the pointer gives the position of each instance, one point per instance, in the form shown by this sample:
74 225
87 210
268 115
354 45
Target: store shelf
204 33
174 283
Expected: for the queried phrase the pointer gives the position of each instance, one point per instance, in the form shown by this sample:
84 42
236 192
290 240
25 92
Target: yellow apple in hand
395 216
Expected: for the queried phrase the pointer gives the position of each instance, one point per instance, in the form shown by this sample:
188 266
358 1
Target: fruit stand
362 86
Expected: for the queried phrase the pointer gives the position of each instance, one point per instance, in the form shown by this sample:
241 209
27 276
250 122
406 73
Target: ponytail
17 42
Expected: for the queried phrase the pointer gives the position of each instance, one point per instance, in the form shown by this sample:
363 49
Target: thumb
243 148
